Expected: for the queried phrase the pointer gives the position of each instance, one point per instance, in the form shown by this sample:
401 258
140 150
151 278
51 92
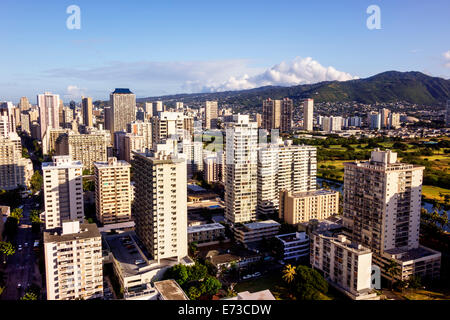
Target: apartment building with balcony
112 191
382 203
255 231
299 207
346 265
73 262
63 191
206 233
294 246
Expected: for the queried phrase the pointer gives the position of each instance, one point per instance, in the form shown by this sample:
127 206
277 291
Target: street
21 268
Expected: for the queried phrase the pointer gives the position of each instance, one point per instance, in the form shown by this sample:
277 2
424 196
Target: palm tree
7 249
289 273
393 270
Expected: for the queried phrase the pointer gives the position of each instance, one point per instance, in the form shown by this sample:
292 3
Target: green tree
309 283
289 273
17 214
178 273
36 182
415 282
210 286
197 272
194 293
393 271
29 296
7 249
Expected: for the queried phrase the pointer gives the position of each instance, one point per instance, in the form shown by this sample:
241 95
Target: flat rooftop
261 224
170 290
259 295
87 230
412 254
314 193
205 227
293 237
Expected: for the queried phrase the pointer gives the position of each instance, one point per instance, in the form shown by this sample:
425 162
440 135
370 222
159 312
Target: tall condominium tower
308 110
63 191
142 128
87 111
123 110
374 120
7 119
166 125
24 104
211 114
112 191
86 148
49 105
241 170
160 203
382 202
14 169
384 114
73 262
271 114
287 109
284 167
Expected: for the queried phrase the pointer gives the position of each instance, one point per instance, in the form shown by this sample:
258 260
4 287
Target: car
26 244
139 261
19 247
19 286
257 274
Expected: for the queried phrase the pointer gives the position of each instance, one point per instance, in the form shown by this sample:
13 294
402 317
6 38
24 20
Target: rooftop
170 290
261 224
122 91
314 193
87 230
205 227
293 237
403 255
259 295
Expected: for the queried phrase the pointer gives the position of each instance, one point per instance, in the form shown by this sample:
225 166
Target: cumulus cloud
446 56
298 71
74 92
196 76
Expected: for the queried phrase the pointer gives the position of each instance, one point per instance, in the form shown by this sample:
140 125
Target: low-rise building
303 206
255 231
206 233
170 290
295 246
259 295
345 265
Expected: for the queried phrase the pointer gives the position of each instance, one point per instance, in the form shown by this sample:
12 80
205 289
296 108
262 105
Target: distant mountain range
391 86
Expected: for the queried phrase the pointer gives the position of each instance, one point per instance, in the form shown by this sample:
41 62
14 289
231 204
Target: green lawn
425 295
432 192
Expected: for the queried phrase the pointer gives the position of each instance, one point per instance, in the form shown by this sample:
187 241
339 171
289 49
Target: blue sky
163 47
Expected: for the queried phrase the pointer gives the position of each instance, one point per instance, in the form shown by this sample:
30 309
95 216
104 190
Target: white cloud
295 72
74 93
446 56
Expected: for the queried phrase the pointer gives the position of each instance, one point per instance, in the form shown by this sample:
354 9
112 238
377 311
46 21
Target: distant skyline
169 47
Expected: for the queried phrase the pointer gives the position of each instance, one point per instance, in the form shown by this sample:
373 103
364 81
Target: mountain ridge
389 86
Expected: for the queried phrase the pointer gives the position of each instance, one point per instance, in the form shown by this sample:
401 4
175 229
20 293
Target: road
21 268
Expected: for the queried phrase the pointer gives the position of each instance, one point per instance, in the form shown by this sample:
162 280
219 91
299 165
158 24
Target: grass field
426 295
432 192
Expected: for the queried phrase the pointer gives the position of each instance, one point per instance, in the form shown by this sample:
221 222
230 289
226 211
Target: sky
167 47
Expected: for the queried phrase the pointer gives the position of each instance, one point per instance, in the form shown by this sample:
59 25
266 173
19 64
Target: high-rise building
384 114
14 169
211 114
87 148
308 110
160 203
158 107
330 124
284 167
49 105
25 123
73 262
241 170
87 111
374 120
382 203
287 109
148 109
24 104
271 114
112 191
7 119
123 110
179 106
131 142
394 121
63 191
167 125
142 128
